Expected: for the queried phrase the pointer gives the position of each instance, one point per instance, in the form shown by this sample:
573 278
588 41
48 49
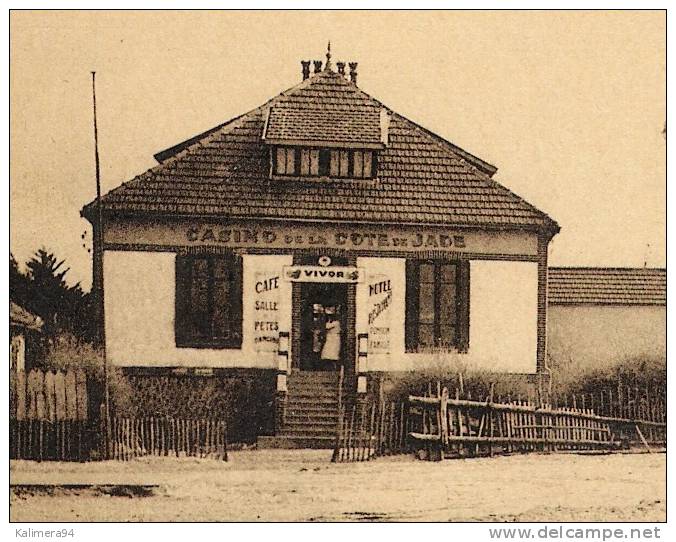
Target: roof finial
328 57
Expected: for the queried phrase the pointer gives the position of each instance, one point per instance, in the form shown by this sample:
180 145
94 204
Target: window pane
290 161
199 298
426 272
447 336
368 165
425 335
334 170
448 272
221 304
344 163
305 161
281 161
221 269
447 303
426 303
358 164
314 162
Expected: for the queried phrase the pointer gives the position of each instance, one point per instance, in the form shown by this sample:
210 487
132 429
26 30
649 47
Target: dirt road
278 485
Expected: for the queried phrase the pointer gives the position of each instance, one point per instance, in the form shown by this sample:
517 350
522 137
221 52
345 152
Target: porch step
308 396
310 400
289 442
310 416
308 433
295 425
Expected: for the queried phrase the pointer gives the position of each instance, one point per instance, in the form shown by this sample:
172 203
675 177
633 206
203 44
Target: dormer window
315 162
285 161
309 162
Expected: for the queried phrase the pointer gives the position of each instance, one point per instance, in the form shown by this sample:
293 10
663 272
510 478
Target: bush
474 383
636 372
67 352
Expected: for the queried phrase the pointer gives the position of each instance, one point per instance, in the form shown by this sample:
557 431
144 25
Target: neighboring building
599 316
319 230
23 329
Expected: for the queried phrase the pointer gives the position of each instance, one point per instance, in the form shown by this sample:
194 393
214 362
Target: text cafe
274 254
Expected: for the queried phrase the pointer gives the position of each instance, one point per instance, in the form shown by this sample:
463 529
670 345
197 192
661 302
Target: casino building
318 234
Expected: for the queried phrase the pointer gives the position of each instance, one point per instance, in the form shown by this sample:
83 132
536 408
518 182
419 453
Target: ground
302 485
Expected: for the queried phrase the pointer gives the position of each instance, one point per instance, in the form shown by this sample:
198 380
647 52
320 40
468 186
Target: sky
569 106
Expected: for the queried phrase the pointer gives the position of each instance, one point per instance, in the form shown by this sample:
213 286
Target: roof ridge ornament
327 67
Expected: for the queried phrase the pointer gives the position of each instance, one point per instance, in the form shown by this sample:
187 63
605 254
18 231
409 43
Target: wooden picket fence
635 415
179 437
43 440
49 416
441 426
370 429
48 395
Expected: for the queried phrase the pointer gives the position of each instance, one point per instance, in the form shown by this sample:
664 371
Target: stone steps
311 412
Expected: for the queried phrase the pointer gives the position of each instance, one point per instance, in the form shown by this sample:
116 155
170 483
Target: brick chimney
318 65
306 69
341 68
353 72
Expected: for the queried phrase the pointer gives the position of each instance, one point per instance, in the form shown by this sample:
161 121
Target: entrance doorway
323 331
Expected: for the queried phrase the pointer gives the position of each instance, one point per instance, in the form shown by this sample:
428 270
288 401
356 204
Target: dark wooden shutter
182 298
236 302
411 324
463 306
374 164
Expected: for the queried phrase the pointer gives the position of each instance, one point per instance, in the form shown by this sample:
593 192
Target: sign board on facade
266 311
287 235
317 273
380 299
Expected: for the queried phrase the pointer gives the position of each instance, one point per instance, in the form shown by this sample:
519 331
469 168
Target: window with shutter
437 305
316 162
208 301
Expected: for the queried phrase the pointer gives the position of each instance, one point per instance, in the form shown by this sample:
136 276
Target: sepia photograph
339 266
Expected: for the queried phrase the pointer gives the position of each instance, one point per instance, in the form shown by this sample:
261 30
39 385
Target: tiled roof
607 286
18 316
357 127
422 178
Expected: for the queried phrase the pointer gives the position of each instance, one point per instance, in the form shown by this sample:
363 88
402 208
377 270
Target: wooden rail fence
179 437
441 426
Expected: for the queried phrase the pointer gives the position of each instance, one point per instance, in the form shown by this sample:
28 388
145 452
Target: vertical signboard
266 311
379 302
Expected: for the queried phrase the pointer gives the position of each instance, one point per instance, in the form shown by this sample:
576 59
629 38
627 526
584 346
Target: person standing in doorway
318 335
331 348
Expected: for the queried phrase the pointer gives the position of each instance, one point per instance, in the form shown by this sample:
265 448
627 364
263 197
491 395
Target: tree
44 291
19 284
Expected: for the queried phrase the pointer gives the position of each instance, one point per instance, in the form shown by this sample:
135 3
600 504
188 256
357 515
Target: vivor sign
317 273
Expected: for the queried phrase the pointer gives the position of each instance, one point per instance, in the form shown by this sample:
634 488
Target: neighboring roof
422 178
18 316
607 286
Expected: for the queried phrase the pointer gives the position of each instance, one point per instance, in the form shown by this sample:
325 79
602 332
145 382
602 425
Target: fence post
443 421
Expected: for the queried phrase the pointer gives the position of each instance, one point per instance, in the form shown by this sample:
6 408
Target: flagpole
98 278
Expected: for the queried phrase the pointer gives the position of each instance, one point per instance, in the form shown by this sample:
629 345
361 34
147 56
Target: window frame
183 308
460 341
325 163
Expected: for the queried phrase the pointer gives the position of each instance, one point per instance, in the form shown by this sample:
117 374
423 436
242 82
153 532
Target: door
323 326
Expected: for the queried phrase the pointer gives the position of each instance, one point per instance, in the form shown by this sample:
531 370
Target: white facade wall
503 318
140 306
